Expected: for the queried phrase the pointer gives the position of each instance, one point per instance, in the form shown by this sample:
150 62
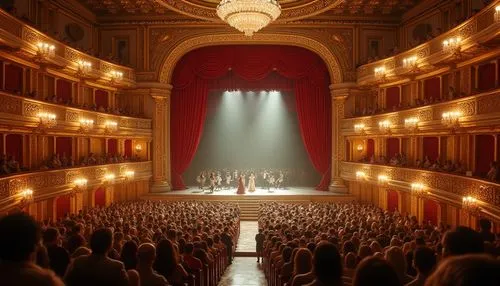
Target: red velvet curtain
432 88
14 147
112 146
392 147
485 148
486 77
128 148
101 98
259 67
431 148
391 98
392 200
370 148
100 197
63 90
64 146
63 206
13 78
430 211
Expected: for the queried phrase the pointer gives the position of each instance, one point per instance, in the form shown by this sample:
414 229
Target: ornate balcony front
46 184
481 110
22 113
447 187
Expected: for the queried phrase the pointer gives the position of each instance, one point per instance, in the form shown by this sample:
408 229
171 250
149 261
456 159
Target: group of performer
215 180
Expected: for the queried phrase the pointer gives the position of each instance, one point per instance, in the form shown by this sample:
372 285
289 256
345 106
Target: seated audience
146 255
424 260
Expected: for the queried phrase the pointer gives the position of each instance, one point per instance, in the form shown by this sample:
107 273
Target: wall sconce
384 126
138 148
47 120
45 50
383 180
411 63
26 198
359 128
109 178
470 205
451 119
411 123
359 148
84 67
497 13
80 186
452 45
86 124
116 75
360 175
379 72
129 175
418 190
111 126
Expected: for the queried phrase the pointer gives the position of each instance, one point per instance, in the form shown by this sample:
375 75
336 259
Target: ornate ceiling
205 9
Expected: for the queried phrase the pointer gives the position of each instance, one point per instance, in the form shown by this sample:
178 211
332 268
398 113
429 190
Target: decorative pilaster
339 94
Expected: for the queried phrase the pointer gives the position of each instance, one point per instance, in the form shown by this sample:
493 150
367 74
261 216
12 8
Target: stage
289 194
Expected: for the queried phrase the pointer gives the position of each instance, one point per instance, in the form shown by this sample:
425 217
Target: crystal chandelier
248 16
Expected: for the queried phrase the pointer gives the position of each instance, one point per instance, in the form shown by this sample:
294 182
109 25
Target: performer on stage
212 182
235 178
265 176
281 179
241 186
203 180
199 179
228 180
272 182
219 181
251 182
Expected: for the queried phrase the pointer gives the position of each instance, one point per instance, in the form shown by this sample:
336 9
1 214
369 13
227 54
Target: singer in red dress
241 186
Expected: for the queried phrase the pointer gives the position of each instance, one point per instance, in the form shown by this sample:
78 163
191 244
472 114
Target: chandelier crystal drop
248 16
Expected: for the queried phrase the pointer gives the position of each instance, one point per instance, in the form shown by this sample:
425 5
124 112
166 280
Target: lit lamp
451 119
384 126
379 72
138 148
80 186
360 175
84 67
470 205
497 13
129 175
86 124
360 148
116 75
45 50
359 128
109 178
418 190
111 126
383 180
410 63
452 45
26 198
411 123
47 120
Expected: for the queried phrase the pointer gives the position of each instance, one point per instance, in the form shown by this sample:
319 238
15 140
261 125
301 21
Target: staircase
249 209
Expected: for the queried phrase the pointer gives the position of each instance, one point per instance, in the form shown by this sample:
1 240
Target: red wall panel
486 77
63 90
430 211
63 206
431 148
14 147
112 146
370 148
101 98
13 78
64 146
432 88
128 148
485 148
100 197
392 147
392 98
392 200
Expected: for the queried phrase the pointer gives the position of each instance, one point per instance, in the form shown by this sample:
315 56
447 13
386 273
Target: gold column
339 94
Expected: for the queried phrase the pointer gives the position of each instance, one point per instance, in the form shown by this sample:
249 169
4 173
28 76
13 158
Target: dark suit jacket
96 270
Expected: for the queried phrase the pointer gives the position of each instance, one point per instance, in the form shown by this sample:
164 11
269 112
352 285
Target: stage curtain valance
250 67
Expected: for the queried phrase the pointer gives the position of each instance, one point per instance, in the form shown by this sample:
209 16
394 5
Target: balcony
476 31
56 182
481 110
21 39
21 113
446 186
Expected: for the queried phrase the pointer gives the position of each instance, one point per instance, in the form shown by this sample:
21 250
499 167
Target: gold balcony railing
447 186
22 112
46 184
476 111
480 28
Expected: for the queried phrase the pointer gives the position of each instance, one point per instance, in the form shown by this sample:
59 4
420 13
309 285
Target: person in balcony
55 162
92 160
427 163
458 168
64 160
451 93
419 164
436 166
493 172
13 164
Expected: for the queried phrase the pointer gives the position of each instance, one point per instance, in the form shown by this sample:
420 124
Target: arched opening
100 197
248 67
431 211
63 206
392 200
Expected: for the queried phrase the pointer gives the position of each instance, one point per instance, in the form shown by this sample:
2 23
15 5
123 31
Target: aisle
245 271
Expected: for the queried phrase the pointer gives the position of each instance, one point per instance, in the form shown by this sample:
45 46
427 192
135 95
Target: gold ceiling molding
291 9
331 58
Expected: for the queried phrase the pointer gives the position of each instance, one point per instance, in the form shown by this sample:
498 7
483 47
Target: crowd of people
213 179
9 165
354 244
132 243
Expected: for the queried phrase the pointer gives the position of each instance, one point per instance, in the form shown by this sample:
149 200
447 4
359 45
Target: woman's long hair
166 258
302 262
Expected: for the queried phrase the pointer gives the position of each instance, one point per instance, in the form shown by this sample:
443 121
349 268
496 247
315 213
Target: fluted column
339 94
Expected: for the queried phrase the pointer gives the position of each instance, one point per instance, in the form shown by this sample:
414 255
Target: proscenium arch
330 59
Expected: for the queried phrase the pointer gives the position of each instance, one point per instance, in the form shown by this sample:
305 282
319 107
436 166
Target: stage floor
291 193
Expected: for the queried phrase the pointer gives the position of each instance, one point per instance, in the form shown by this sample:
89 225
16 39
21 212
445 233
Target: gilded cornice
335 46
